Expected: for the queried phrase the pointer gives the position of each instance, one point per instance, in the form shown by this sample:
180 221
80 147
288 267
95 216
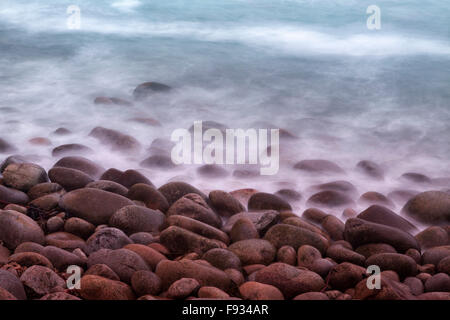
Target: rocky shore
134 240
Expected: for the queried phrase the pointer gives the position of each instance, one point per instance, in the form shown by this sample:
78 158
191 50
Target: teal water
310 67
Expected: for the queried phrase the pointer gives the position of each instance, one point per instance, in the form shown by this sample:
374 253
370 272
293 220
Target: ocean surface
312 68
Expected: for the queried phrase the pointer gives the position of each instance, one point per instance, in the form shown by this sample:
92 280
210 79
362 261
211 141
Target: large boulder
132 219
431 207
382 215
94 205
23 176
359 232
16 228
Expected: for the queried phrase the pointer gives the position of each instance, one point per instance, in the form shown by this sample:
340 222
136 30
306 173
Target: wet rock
12 284
287 254
41 281
29 247
107 238
69 179
431 207
16 207
340 186
65 240
44 189
117 140
158 161
314 215
318 166
79 227
104 271
243 229
284 234
212 293
359 232
152 198
109 186
440 282
415 285
181 241
132 219
146 282
183 288
99 288
267 201
289 195
198 227
46 203
142 238
122 261
82 164
222 259
173 191
262 220
346 275
254 251
416 177
55 224
371 169
402 264
194 206
94 205
370 249
224 203
149 255
435 255
341 254
61 258
334 227
382 215
73 148
212 171
146 89
290 280
252 290
330 199
432 237
126 178
23 176
171 271
376 198
444 265
16 228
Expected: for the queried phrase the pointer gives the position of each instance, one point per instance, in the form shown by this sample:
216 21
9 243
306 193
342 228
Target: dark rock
132 219
194 206
287 254
359 232
289 195
381 215
340 186
341 254
252 290
69 179
334 227
314 215
432 237
431 207
416 177
82 164
243 229
122 261
198 227
23 176
107 238
5 146
16 228
254 251
222 259
102 270
65 240
440 282
99 288
267 201
346 275
224 203
371 169
330 199
73 148
55 224
146 282
9 195
158 161
127 178
370 249
118 141
150 196
444 265
12 284
94 205
403 265
61 258
174 191
146 89
142 238
263 220
318 166
149 255
376 198
284 234
44 189
212 171
109 186
415 285
435 255
183 288
62 132
79 227
29 247
42 280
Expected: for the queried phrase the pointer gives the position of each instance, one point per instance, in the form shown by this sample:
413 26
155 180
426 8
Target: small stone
102 270
254 251
224 203
41 280
267 201
439 282
146 282
252 290
107 238
16 228
55 224
222 259
79 227
287 254
402 264
132 219
346 275
99 288
212 293
243 229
